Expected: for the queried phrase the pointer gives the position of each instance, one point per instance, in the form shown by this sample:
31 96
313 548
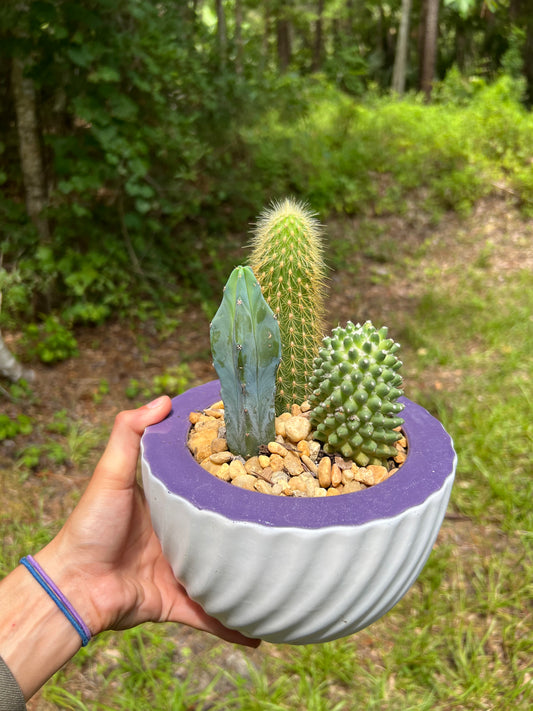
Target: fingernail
155 403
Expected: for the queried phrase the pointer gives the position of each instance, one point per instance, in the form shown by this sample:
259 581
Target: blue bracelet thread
57 596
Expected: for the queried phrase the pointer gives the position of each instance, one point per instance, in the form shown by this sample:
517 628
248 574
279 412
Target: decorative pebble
324 472
245 481
292 465
336 475
277 448
219 445
223 472
297 428
236 468
308 462
221 457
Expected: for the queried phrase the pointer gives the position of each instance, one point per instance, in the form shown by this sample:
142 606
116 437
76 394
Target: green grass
461 638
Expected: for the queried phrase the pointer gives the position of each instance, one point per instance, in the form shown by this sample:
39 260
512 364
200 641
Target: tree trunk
31 158
238 38
402 46
10 368
429 56
222 33
318 45
283 43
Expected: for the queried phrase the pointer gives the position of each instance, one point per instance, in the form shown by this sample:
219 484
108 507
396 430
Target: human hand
107 558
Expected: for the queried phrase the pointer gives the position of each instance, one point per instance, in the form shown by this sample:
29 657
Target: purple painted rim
431 460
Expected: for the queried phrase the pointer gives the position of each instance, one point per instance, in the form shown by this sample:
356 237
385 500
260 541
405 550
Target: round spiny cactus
287 261
356 386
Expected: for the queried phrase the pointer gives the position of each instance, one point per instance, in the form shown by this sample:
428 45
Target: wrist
36 638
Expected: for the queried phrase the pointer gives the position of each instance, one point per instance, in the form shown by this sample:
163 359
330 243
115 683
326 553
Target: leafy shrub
51 341
10 428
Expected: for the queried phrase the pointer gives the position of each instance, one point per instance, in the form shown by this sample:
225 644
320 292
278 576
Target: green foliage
246 347
287 259
50 341
355 390
174 381
11 427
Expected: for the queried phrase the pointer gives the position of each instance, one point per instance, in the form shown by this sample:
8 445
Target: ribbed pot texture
295 570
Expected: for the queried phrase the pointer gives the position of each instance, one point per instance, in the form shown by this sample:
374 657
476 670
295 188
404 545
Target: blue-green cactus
356 386
246 348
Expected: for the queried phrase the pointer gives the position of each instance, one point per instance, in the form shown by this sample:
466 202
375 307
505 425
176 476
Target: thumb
119 462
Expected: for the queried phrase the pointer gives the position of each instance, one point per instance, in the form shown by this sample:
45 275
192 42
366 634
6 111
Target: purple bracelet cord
57 596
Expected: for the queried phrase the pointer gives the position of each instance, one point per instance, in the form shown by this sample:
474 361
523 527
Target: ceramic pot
295 570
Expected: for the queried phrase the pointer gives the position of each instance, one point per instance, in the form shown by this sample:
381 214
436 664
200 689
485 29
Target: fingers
119 461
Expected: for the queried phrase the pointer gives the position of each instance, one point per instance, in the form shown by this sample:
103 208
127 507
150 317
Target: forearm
36 638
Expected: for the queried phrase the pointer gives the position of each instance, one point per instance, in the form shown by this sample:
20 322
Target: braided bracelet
57 596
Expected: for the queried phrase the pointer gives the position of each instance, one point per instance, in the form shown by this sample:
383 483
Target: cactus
287 261
356 386
246 348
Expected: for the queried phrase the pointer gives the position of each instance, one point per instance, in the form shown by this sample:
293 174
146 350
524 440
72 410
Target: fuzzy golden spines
288 263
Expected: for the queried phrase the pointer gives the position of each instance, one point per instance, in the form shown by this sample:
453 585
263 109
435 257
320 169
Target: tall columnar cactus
246 347
356 386
287 261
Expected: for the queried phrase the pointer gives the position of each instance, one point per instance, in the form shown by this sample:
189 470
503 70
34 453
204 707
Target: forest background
139 141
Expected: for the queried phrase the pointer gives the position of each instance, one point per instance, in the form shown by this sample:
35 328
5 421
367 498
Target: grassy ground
461 638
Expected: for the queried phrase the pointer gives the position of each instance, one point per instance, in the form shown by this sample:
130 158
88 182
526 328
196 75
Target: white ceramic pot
295 570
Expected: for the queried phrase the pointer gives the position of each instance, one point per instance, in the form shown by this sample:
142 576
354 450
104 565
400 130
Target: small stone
277 462
221 457
336 475
264 461
280 477
223 472
245 481
276 489
297 483
200 443
332 492
295 410
293 464
219 445
402 442
352 486
347 475
210 466
379 473
319 492
280 424
305 406
211 412
218 405
266 474
262 486
277 448
303 447
400 457
236 468
371 474
252 465
308 462
311 485
363 475
324 472
194 417
297 428
314 450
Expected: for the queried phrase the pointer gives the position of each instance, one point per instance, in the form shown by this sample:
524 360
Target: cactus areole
246 348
